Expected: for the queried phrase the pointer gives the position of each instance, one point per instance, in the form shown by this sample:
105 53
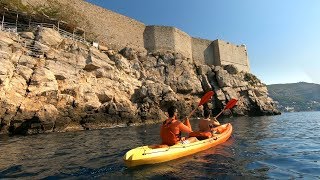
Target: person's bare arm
184 128
215 122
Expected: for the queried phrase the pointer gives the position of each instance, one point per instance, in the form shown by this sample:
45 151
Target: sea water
277 147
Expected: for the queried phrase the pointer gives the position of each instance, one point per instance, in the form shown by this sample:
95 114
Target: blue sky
282 36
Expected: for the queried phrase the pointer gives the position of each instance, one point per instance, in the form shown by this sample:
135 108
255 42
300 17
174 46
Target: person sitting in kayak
206 126
171 129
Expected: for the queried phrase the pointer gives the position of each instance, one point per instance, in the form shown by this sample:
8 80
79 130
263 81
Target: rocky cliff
72 86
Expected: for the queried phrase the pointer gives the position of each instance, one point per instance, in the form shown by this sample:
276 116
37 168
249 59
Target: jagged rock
65 101
230 93
18 85
66 44
129 53
204 70
111 52
8 107
62 123
136 65
223 78
260 92
6 38
182 78
61 69
92 64
105 96
27 109
227 80
178 56
122 63
106 91
99 55
220 94
27 61
206 86
188 82
43 83
232 69
47 113
125 108
27 35
6 71
90 99
5 52
252 79
52 54
168 58
101 72
16 56
42 48
48 36
217 68
77 61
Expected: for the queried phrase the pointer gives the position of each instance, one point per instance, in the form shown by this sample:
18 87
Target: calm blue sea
275 147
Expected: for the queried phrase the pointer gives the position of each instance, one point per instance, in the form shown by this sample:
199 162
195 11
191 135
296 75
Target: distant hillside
296 96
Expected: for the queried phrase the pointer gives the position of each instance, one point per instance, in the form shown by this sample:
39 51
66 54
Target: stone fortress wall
117 31
203 51
112 29
227 53
164 38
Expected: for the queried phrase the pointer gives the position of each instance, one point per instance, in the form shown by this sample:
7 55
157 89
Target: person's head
171 111
206 113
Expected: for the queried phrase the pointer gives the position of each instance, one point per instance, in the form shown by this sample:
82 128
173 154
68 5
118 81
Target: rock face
73 87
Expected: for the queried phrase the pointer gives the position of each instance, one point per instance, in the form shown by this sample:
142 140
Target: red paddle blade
231 103
206 98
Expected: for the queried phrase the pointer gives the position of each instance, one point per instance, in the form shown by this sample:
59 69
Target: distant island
296 97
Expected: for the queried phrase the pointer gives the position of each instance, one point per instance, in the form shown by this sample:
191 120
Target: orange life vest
170 133
171 130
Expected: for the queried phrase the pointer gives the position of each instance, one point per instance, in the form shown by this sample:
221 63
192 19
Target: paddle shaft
229 105
194 110
203 100
219 114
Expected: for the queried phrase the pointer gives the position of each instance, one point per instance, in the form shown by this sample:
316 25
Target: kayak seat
156 146
200 135
219 129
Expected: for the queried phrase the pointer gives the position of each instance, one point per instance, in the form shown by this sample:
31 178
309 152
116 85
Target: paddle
203 100
229 105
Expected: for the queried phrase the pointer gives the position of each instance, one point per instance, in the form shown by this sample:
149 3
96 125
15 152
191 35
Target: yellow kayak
146 155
